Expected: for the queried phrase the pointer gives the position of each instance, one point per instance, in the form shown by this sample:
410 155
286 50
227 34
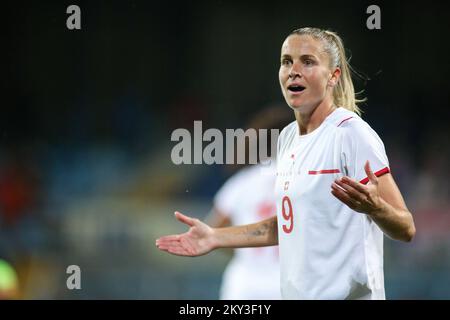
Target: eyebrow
303 56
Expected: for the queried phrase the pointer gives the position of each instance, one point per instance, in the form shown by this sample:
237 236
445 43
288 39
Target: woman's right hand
199 240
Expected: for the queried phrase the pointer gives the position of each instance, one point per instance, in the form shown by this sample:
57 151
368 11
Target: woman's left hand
359 197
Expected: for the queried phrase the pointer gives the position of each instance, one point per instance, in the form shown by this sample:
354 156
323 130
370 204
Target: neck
308 122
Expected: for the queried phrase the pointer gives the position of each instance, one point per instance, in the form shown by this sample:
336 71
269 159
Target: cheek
281 74
319 80
282 77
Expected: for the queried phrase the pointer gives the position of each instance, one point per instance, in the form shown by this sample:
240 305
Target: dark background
86 117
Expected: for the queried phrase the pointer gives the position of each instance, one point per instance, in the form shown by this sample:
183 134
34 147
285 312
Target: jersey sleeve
362 143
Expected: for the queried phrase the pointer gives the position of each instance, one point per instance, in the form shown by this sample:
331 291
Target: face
305 75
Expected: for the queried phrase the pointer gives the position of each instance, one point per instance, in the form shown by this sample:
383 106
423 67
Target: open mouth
296 88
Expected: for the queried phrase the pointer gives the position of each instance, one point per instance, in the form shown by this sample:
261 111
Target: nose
295 71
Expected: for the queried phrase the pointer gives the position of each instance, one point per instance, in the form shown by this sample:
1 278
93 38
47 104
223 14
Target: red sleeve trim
379 173
344 121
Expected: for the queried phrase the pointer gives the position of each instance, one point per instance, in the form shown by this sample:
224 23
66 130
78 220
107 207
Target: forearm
396 223
260 234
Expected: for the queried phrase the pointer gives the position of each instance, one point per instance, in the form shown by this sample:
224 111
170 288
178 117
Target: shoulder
291 127
343 118
351 125
288 132
356 133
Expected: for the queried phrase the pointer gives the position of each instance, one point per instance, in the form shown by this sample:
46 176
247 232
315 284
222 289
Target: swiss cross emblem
286 185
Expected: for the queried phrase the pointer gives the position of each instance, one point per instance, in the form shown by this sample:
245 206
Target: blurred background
86 176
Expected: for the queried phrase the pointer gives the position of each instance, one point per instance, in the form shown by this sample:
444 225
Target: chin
301 108
296 105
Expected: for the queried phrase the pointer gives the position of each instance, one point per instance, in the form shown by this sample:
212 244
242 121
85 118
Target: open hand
195 242
359 197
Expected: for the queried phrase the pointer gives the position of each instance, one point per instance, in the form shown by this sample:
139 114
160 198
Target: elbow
411 234
409 230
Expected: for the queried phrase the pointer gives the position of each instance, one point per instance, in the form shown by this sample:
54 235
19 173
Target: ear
335 75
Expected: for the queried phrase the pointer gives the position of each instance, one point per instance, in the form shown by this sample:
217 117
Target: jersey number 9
288 216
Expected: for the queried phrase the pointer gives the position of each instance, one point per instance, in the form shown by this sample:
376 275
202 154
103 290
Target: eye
309 62
285 62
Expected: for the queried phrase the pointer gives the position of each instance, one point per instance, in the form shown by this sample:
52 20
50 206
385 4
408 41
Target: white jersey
327 250
248 197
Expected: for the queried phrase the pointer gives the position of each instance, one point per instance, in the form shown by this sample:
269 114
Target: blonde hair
344 91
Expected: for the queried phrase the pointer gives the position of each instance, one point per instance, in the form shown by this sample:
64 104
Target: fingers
163 244
175 245
169 243
185 219
174 237
355 185
353 193
174 249
372 177
342 196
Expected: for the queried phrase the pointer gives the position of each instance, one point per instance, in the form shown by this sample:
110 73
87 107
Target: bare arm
381 200
260 234
201 238
217 218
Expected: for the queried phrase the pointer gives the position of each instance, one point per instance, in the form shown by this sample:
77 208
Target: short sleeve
362 143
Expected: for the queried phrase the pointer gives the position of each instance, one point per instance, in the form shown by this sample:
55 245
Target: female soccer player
332 208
